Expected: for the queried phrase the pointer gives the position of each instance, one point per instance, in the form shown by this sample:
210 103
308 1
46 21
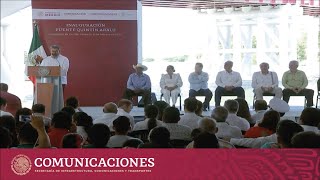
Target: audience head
159 136
69 110
170 69
72 140
83 119
198 68
228 66
286 129
220 114
38 108
206 140
260 105
199 109
110 108
4 87
21 112
151 112
121 125
171 115
5 138
243 110
208 125
293 65
9 123
232 106
125 104
190 104
27 134
307 139
264 67
195 132
310 117
132 143
3 104
270 120
61 120
99 135
72 102
54 50
161 106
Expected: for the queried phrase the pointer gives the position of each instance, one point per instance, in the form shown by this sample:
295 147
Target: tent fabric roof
311 7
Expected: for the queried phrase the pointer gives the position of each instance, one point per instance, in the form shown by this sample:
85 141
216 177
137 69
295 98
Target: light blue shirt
138 82
198 82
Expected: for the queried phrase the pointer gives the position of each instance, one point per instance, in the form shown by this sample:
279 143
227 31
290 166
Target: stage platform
138 112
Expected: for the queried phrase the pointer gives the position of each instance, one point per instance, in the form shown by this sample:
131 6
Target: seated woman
266 127
170 84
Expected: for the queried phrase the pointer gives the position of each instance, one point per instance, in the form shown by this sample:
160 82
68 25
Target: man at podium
59 82
56 59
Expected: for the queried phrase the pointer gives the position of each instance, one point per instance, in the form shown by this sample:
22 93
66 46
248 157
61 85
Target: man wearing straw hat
139 84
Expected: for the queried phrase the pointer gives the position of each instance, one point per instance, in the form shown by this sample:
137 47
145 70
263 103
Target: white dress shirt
118 140
198 82
122 112
260 141
107 119
143 125
240 122
61 61
222 144
171 82
190 119
225 130
266 80
82 132
258 116
178 131
224 79
4 113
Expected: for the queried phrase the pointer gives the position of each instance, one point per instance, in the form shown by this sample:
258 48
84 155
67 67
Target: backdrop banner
99 37
159 164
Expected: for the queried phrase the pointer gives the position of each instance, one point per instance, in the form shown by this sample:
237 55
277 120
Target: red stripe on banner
131 164
311 2
85 4
272 1
284 1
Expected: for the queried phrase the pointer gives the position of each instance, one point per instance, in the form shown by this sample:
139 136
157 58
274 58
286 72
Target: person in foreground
159 137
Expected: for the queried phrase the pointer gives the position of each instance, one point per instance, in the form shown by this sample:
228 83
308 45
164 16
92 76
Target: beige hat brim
144 68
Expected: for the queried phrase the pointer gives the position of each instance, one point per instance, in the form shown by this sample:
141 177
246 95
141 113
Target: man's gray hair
207 125
295 62
220 114
231 105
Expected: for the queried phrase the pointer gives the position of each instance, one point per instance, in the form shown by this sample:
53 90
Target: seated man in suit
265 81
199 85
228 81
295 83
139 84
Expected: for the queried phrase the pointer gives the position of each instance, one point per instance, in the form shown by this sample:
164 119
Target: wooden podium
48 88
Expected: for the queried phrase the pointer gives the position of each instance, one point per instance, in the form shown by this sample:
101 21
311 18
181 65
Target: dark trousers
202 92
307 93
220 91
146 95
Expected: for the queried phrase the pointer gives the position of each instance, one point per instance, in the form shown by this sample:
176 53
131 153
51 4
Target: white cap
279 105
